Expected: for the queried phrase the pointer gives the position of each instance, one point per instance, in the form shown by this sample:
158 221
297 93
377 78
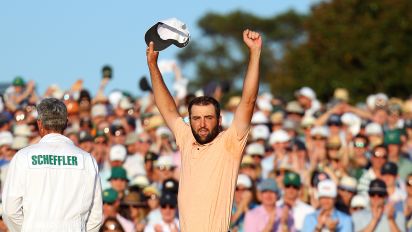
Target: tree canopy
362 45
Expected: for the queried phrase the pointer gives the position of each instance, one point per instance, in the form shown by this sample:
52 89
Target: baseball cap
134 199
118 173
373 128
18 81
164 161
259 118
320 131
327 188
359 201
291 178
260 132
167 32
244 180
294 107
140 181
247 161
84 136
170 185
6 138
98 110
117 152
150 156
334 119
168 199
255 149
306 92
377 186
279 136
151 189
389 168
268 185
110 195
348 183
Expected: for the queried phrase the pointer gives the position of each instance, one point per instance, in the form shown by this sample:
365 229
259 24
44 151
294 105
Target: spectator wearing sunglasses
169 222
378 158
358 202
291 197
380 216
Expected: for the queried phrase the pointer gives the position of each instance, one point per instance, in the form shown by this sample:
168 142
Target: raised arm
163 99
244 111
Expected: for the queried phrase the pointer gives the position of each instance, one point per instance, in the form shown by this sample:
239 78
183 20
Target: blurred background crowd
304 157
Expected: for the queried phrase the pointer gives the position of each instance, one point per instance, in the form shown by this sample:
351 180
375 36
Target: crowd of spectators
308 165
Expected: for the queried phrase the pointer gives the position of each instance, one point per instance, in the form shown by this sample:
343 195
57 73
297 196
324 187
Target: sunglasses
379 154
291 186
318 138
242 189
357 208
377 195
360 144
168 206
165 168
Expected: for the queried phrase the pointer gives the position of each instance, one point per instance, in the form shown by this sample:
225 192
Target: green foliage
362 45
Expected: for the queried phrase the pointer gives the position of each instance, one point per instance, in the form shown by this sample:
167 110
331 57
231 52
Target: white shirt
300 210
165 226
52 186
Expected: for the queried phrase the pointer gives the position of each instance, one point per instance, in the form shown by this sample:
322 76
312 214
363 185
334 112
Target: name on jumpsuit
59 160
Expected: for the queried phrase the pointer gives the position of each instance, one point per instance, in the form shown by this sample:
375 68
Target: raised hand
151 54
252 39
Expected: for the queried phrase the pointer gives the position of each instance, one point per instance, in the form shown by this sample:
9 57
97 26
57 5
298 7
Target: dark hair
53 114
380 146
204 101
115 223
359 136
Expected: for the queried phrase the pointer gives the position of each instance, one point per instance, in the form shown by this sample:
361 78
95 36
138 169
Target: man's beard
209 138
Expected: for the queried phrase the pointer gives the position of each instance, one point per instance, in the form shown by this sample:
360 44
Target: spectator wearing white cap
346 191
358 202
256 151
374 132
134 163
117 156
327 216
316 143
250 168
6 140
307 100
260 133
243 201
279 141
294 111
164 169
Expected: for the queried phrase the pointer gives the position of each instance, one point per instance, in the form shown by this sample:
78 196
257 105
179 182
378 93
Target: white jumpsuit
52 186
